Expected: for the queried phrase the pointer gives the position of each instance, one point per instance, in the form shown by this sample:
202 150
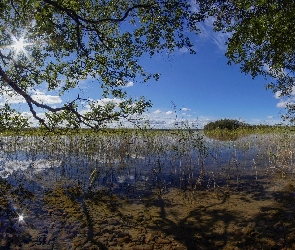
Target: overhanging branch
76 17
70 107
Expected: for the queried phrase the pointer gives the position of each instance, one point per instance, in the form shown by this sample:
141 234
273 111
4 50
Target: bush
228 124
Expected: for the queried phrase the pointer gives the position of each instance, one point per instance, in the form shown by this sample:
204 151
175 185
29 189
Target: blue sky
206 88
202 86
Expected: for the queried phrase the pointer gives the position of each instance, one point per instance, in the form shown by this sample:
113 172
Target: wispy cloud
284 104
283 100
276 73
184 50
218 38
129 84
9 97
194 6
102 102
158 111
47 99
169 119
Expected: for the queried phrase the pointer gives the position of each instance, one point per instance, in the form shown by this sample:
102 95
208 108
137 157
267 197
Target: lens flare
18 46
20 218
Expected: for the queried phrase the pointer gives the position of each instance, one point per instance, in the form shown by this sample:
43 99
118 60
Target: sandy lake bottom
259 215
160 192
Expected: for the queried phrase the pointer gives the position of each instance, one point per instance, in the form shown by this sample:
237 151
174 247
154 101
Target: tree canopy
229 124
57 44
262 39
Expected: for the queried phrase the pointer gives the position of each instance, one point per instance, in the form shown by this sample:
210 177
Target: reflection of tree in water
139 197
224 135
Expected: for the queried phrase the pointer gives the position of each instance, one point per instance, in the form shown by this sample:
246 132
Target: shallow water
51 186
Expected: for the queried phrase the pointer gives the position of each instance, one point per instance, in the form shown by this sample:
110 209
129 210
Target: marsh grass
72 174
185 158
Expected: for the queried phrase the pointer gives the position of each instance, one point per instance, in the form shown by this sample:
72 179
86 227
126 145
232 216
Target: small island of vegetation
232 129
228 124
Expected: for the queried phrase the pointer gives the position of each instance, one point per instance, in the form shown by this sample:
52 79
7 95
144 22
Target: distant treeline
229 124
232 124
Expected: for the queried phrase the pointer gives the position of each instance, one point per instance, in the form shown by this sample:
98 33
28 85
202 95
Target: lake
147 190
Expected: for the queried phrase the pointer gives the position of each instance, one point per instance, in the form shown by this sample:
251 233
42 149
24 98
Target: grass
226 134
71 174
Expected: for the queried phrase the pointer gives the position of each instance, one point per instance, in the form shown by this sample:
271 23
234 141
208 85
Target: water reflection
62 182
7 167
146 169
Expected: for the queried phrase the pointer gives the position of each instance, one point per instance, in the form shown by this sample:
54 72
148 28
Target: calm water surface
133 167
133 162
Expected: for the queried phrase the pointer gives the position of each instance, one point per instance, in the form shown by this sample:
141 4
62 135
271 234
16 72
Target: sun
19 46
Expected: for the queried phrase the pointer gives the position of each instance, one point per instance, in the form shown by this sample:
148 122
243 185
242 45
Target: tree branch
69 107
27 97
74 15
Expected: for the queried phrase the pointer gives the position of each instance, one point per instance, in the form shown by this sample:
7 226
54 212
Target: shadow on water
252 218
245 220
163 199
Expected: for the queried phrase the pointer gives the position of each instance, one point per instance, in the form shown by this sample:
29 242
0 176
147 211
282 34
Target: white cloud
104 101
185 109
11 97
32 120
157 122
184 50
166 120
125 85
283 104
274 72
46 99
266 68
218 38
278 94
283 100
129 84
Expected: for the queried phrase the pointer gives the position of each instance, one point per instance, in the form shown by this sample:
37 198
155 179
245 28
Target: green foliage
228 124
262 39
226 129
10 120
232 130
71 41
